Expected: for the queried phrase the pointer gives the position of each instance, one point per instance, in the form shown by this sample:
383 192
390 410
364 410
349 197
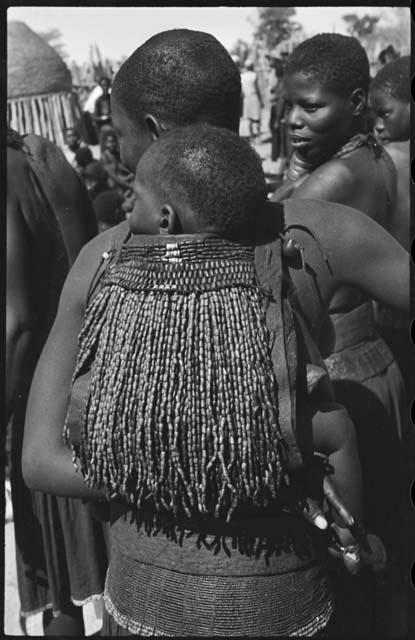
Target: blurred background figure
102 108
61 554
82 158
108 209
252 100
73 143
236 59
95 179
118 177
389 54
390 103
279 153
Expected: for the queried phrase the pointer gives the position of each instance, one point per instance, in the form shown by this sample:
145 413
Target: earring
164 223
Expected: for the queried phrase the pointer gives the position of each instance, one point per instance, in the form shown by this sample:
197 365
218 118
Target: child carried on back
188 398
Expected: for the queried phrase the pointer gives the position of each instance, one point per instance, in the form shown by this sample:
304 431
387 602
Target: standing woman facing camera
335 158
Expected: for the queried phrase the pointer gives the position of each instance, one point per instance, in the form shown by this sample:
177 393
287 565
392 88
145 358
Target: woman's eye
310 108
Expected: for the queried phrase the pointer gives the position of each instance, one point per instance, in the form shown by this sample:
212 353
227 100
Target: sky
118 31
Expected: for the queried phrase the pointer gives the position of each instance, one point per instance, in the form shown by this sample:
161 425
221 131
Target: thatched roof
33 67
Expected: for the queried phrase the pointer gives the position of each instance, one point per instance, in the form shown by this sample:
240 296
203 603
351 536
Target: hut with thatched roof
39 86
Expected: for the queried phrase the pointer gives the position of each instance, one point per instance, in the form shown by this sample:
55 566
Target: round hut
39 86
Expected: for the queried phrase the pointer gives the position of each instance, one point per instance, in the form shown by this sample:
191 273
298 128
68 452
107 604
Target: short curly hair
83 156
214 171
338 62
181 76
108 207
394 79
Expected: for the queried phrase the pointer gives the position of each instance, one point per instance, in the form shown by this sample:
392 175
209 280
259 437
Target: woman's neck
300 165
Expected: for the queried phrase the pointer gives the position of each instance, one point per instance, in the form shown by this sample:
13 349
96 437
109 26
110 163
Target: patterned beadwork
183 407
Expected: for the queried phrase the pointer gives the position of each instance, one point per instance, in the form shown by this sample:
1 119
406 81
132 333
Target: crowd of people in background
108 182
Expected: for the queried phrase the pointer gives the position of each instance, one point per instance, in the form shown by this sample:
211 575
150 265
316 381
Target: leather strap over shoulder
280 322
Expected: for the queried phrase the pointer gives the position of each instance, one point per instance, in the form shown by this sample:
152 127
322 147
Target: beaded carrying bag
183 393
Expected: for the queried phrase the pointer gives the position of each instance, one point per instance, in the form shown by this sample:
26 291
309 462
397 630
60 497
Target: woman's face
392 117
111 143
133 141
319 121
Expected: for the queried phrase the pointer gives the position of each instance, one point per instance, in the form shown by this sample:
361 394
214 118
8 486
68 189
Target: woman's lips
298 141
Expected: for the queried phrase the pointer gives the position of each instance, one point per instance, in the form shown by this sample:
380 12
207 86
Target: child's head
326 81
105 84
389 100
83 157
198 179
109 142
175 78
390 54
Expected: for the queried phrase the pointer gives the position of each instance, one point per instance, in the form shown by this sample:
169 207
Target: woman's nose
379 126
294 118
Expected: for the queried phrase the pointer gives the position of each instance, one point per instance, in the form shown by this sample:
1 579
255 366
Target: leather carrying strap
280 323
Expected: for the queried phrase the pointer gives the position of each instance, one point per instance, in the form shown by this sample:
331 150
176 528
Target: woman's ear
154 126
168 220
358 101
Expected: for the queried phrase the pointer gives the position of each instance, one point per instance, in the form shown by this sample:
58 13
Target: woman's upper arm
333 182
48 399
366 256
47 404
360 254
376 263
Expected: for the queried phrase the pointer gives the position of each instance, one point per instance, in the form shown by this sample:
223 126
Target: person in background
94 94
61 553
73 142
276 124
89 128
82 158
387 55
95 179
102 109
390 103
252 100
119 177
108 209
